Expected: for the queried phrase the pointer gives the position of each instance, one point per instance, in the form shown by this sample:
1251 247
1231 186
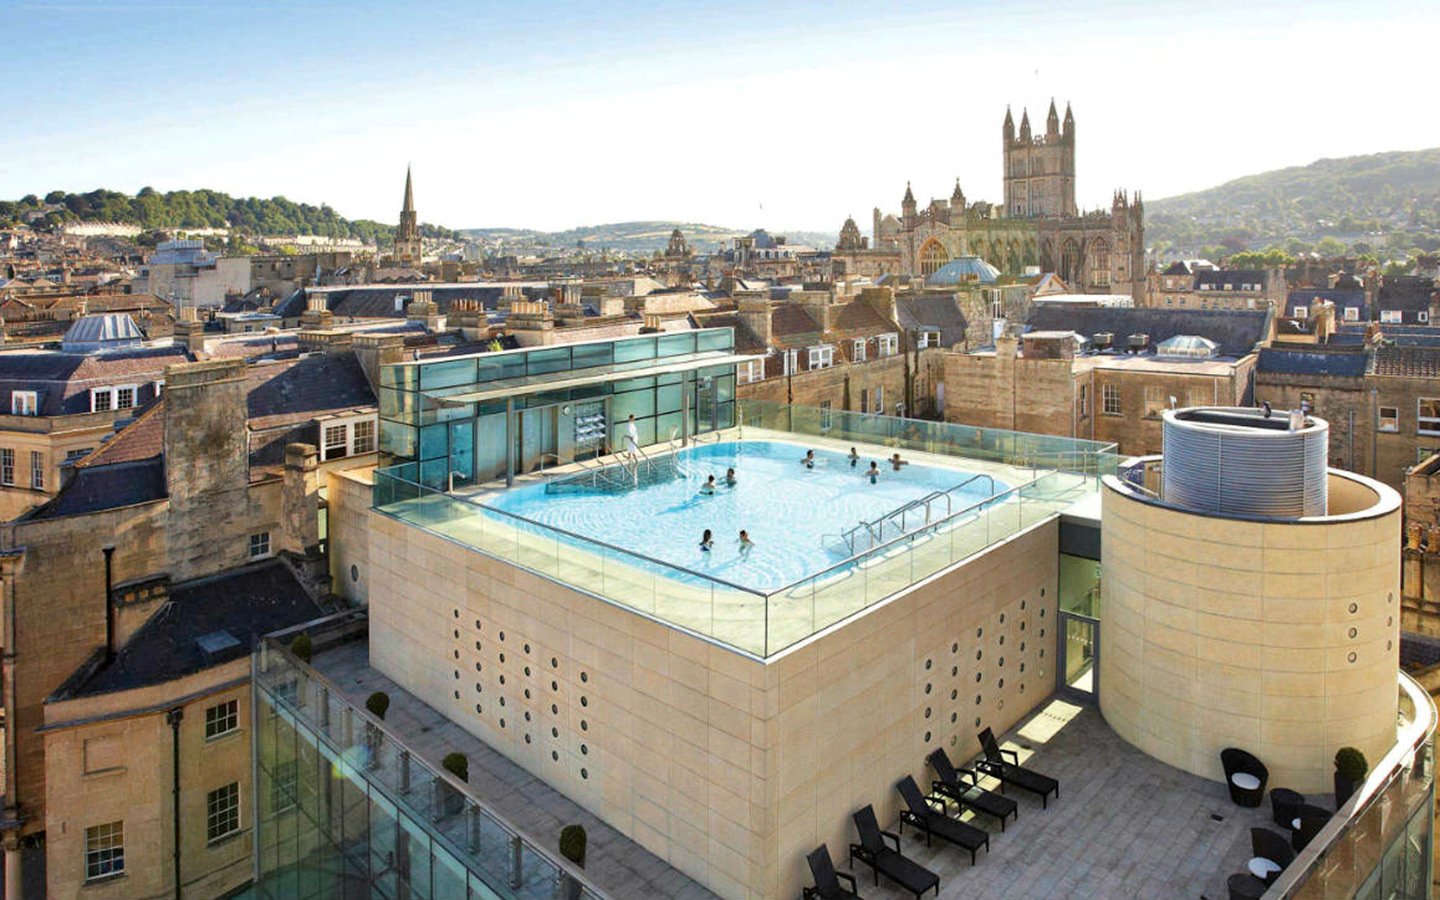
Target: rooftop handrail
1408 743
260 664
870 524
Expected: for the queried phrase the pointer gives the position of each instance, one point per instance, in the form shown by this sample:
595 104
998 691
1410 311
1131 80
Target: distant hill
151 210
1388 202
635 237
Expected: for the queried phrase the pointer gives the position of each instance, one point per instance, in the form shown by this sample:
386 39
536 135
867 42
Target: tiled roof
244 603
1340 297
1346 364
1236 331
1408 362
143 438
789 322
107 487
857 318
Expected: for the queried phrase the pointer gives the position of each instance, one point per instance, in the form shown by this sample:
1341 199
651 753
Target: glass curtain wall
433 439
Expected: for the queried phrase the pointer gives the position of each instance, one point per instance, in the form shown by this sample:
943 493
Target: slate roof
1237 331
246 603
1408 362
64 380
97 488
932 312
1346 364
1340 297
296 390
1406 292
1218 278
103 330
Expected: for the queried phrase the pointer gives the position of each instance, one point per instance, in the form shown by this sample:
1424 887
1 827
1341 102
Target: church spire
1009 128
1052 121
409 194
909 194
1025 125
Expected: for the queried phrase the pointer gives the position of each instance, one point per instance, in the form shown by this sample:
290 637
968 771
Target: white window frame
104 851
1388 423
792 361
7 466
887 344
112 397
346 427
928 339
1422 420
1352 313
1110 396
259 547
750 371
221 719
37 470
1302 312
857 350
222 807
1391 317
1423 317
821 356
24 403
1082 401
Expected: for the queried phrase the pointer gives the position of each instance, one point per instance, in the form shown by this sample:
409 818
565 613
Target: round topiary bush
378 703
302 648
457 764
1351 764
572 844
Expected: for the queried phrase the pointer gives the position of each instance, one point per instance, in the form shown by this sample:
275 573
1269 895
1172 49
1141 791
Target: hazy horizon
741 115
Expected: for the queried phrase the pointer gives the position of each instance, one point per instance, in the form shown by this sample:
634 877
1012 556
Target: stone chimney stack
329 341
818 304
191 334
531 322
301 533
754 312
882 300
375 350
207 467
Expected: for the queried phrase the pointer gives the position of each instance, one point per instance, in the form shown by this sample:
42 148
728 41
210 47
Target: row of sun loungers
929 815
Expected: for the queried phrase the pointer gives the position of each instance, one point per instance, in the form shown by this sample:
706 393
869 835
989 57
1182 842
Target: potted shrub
452 801
302 648
378 703
1351 767
572 847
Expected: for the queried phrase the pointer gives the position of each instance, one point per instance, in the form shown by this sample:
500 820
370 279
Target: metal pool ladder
875 528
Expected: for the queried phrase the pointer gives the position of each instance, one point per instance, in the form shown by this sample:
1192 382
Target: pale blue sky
782 115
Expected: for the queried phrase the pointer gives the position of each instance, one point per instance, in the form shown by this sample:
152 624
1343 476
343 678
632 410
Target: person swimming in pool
708 488
729 477
706 542
896 462
809 460
874 472
746 545
854 457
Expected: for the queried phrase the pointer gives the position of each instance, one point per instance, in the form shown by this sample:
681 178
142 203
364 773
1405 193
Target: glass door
1080 656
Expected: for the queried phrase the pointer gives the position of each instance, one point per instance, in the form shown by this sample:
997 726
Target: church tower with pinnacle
407 236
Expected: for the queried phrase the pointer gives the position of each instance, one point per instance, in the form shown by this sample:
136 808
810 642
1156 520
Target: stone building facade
1039 223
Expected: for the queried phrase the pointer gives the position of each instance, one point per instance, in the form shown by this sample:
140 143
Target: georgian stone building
1039 223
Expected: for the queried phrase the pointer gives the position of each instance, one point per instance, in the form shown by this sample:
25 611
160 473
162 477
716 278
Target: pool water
793 514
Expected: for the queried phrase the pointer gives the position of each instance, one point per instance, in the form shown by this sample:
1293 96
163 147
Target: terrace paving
1125 825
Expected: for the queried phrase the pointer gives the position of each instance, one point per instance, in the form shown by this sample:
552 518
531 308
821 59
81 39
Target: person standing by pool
746 545
896 462
809 460
706 542
708 488
729 477
854 457
874 473
632 438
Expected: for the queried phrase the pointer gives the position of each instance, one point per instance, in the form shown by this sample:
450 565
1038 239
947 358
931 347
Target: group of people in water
745 544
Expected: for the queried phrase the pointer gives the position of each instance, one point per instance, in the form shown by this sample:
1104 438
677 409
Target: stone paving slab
1125 825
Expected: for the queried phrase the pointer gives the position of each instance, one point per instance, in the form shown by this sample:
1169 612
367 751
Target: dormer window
929 339
341 438
888 344
121 396
821 357
857 350
24 403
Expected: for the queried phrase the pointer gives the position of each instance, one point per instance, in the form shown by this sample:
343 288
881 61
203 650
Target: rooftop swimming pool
796 515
